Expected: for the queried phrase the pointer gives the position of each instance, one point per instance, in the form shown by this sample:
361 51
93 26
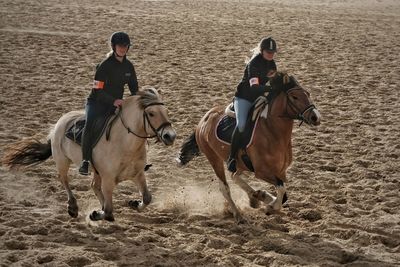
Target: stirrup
84 168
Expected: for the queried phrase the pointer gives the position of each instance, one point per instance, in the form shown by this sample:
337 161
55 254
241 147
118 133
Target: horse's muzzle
168 136
314 117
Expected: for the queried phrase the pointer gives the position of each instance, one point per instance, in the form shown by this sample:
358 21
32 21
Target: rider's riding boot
84 167
235 145
86 153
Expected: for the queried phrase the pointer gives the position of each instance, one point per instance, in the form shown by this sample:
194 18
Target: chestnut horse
121 157
270 150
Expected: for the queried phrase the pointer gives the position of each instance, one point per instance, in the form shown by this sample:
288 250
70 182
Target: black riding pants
96 112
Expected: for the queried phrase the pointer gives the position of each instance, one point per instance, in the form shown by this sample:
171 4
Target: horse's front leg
96 186
107 187
273 203
281 197
139 205
254 196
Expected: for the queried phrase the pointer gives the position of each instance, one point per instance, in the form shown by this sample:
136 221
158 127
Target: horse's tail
26 153
189 150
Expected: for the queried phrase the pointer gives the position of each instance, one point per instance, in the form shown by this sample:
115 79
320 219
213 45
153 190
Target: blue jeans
242 107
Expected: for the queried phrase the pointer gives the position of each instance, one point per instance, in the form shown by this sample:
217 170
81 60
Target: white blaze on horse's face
311 116
159 124
314 117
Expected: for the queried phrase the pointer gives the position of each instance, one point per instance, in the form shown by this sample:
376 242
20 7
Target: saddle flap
99 126
227 123
226 126
75 131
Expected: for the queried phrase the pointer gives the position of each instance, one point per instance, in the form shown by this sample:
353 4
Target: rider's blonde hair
254 52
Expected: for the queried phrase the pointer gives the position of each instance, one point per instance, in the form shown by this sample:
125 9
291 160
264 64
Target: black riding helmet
120 38
268 44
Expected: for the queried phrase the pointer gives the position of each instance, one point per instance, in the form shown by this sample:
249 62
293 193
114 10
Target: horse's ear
148 90
286 78
294 81
153 91
276 81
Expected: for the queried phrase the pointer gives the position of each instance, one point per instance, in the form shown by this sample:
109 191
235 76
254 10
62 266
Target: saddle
100 125
227 124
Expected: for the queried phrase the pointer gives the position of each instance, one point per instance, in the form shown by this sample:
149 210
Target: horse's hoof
73 212
147 198
270 210
240 219
109 218
254 203
147 167
260 195
96 215
134 204
227 212
285 198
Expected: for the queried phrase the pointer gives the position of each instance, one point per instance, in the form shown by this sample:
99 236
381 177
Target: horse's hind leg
218 166
62 167
254 196
144 191
225 190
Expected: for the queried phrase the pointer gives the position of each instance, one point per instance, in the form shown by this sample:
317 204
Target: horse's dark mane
283 82
148 97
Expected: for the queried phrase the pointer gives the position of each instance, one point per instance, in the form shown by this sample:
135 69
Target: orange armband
98 85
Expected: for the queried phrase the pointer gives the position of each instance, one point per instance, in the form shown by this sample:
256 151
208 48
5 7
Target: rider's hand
268 88
118 102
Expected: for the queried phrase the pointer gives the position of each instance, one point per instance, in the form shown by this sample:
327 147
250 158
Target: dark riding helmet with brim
268 44
120 38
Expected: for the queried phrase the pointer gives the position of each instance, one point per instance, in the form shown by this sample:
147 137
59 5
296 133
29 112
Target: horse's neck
132 118
277 127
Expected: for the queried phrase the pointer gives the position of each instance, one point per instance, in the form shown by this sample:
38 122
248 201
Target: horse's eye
294 97
151 114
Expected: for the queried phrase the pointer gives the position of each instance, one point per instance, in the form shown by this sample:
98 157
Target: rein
146 118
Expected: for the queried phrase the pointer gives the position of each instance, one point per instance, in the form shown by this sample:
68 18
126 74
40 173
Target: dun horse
270 150
121 157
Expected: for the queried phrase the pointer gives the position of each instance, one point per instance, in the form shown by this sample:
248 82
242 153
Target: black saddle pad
225 128
75 131
227 125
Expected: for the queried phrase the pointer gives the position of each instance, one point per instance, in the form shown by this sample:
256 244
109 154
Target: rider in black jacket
108 88
256 75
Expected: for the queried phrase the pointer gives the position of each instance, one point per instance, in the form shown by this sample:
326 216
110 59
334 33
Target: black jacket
110 79
258 68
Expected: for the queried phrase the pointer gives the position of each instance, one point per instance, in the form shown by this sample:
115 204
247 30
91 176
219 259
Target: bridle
146 119
299 114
